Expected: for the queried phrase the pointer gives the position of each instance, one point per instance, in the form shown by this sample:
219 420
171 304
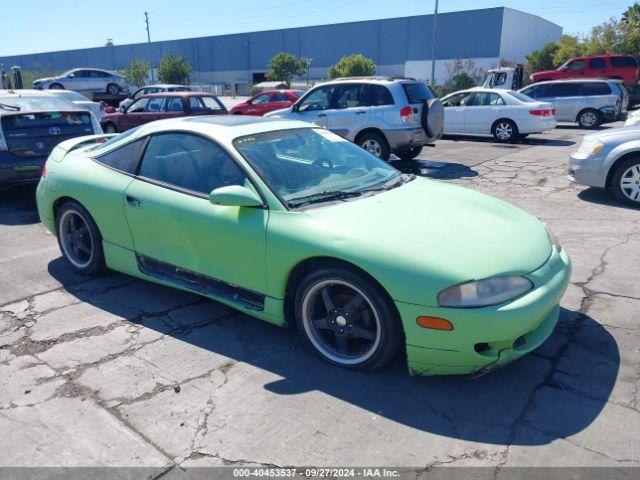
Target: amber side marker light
435 323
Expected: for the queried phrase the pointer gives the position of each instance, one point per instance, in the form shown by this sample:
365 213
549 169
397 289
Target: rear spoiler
79 142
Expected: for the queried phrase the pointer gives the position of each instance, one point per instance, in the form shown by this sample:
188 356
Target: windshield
38 103
522 97
70 95
418 92
311 165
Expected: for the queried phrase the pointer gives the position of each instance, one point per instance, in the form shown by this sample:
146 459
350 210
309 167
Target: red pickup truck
623 67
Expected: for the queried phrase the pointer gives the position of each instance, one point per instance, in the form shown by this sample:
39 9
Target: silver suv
588 102
382 115
85 80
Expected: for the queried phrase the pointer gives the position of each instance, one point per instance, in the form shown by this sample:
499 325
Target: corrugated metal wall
468 34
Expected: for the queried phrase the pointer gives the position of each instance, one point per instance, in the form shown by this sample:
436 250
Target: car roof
25 92
371 79
188 93
222 126
164 85
574 80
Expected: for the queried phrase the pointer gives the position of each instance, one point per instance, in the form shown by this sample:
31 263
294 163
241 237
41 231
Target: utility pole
433 47
146 20
309 60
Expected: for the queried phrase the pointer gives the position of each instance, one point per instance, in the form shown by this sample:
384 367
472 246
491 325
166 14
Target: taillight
543 113
406 115
44 170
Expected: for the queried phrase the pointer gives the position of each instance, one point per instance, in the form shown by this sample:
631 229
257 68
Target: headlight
590 146
482 293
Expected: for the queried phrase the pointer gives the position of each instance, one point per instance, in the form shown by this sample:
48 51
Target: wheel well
307 266
377 131
615 164
56 83
59 201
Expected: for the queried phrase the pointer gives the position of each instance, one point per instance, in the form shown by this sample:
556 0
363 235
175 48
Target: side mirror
295 107
235 196
71 75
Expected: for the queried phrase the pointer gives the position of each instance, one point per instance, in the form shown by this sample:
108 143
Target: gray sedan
85 80
610 159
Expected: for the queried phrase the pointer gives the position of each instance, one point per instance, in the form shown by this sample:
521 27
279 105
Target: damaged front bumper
484 339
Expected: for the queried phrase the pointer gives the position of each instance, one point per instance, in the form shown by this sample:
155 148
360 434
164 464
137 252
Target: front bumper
587 169
16 170
486 338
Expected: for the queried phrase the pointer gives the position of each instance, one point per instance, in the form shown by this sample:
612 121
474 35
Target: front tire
79 239
375 144
409 153
589 118
56 86
625 182
347 319
505 131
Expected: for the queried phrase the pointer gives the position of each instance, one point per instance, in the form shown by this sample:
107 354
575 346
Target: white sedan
505 114
96 108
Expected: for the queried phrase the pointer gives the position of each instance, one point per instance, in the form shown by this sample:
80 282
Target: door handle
322 115
133 201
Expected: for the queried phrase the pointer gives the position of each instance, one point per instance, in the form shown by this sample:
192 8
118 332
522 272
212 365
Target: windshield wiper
322 196
9 107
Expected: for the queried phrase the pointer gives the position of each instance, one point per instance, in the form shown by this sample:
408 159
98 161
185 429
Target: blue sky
31 26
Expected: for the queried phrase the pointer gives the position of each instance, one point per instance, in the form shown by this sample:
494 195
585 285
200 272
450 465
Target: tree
568 46
631 17
607 37
356 65
174 69
541 59
284 67
137 72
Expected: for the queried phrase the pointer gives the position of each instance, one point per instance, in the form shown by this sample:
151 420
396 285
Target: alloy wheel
372 146
341 322
504 131
76 239
588 119
630 183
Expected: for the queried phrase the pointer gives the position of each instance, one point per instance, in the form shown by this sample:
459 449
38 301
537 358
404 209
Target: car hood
280 112
43 80
434 234
616 135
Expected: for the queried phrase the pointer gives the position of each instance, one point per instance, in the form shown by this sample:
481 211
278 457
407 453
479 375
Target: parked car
382 115
588 102
289 222
610 159
97 108
266 102
505 114
85 80
148 89
623 67
162 105
32 123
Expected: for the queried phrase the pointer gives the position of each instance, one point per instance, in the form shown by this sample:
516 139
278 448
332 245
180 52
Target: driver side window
189 162
319 99
458 100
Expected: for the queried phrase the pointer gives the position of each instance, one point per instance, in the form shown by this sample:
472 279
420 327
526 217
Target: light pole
433 46
309 60
146 20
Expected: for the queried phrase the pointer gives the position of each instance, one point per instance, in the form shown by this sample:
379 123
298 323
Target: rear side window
597 64
280 97
538 91
203 104
418 92
174 104
379 95
124 158
564 90
619 62
596 88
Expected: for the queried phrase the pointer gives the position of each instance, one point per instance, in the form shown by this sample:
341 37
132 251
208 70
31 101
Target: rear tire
347 319
625 181
375 144
408 153
113 89
589 118
110 128
505 131
79 239
56 86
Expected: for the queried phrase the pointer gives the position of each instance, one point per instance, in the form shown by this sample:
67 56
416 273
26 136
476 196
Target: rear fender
61 150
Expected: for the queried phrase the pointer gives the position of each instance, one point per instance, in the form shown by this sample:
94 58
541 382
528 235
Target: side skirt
200 283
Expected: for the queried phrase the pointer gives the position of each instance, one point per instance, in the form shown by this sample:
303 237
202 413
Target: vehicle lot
120 372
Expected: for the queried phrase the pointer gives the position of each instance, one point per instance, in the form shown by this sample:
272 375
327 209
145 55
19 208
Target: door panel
349 112
486 108
455 112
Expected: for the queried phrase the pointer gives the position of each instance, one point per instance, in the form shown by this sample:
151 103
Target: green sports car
289 222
